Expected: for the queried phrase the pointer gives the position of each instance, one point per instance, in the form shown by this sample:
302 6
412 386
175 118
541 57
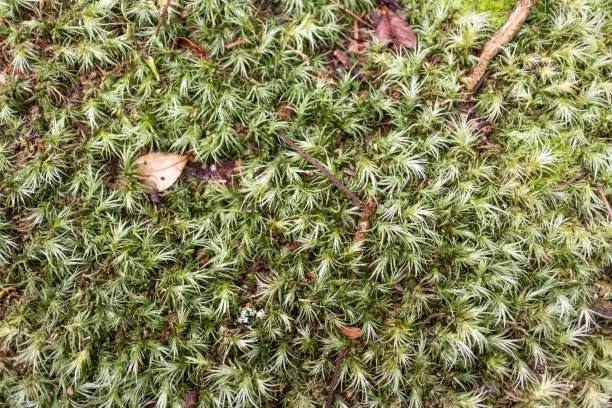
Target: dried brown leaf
351 332
392 29
160 170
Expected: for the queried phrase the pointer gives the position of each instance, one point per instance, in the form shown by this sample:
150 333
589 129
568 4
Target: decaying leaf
392 29
219 172
285 113
160 170
191 397
351 332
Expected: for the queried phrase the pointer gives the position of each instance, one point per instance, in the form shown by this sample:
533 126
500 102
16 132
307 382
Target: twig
605 199
162 15
319 166
501 38
332 387
480 83
369 208
355 16
298 52
235 44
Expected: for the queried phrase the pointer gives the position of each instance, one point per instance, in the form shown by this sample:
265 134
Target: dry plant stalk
499 40
349 12
322 168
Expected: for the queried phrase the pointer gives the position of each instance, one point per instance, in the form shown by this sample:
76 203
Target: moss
497 10
473 283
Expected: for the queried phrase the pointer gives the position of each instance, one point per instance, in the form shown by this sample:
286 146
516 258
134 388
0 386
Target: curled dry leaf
392 29
159 170
351 332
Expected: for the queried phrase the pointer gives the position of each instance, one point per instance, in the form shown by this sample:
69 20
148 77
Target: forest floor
348 227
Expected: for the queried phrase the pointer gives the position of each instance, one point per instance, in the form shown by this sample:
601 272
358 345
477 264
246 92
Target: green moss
472 287
498 10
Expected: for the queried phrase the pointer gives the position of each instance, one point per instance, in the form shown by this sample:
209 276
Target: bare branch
516 20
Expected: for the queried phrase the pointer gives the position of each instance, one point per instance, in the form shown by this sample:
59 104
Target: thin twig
162 15
505 34
355 16
298 52
235 44
369 208
332 387
322 168
605 199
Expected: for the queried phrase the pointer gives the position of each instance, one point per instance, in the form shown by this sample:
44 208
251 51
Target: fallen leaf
392 29
3 79
285 113
190 398
351 332
160 170
196 48
344 60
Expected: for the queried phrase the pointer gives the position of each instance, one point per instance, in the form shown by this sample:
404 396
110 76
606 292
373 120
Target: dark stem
319 166
332 387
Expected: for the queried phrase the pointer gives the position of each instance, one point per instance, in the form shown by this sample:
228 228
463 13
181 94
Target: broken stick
499 40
